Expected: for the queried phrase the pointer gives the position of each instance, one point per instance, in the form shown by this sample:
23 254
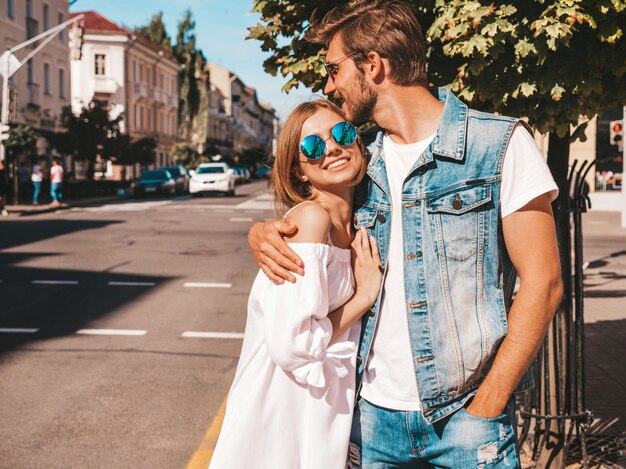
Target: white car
213 177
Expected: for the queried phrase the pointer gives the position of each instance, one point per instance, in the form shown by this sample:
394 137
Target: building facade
41 88
133 76
241 121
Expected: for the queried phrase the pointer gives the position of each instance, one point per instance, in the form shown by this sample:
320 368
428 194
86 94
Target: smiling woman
294 388
314 139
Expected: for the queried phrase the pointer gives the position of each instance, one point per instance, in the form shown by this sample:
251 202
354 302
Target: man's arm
274 256
530 239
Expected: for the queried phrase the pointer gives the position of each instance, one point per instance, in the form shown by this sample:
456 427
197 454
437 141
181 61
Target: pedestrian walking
23 177
4 189
455 199
56 183
36 178
290 405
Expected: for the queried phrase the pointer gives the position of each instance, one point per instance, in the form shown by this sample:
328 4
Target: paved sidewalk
605 318
28 209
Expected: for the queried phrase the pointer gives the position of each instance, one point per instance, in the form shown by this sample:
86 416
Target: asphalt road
101 363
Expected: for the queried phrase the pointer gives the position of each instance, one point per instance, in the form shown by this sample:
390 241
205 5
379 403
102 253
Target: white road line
213 335
241 219
111 332
207 285
224 211
17 330
54 282
132 284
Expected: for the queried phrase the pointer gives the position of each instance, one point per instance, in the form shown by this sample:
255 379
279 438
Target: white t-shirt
389 378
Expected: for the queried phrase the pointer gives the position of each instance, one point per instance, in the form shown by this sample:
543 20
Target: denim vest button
457 203
421 158
359 360
381 218
370 313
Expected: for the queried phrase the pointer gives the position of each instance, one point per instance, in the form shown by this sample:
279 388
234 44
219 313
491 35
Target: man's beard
360 108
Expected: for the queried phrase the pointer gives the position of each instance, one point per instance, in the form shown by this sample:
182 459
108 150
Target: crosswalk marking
17 330
207 285
132 284
241 219
212 335
54 282
130 332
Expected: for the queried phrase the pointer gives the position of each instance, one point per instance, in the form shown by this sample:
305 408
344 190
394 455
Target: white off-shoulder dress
290 404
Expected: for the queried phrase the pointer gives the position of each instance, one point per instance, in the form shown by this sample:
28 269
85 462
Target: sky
220 32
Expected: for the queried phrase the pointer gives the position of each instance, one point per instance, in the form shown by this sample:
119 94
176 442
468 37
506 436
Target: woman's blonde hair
285 183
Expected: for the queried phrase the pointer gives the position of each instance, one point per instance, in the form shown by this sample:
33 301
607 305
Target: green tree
155 31
143 151
22 140
92 134
190 59
186 155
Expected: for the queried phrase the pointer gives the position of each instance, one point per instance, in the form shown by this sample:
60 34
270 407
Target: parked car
244 174
262 172
213 177
156 181
181 177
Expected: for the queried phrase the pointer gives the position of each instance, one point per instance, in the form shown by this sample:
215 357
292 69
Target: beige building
135 77
41 88
245 123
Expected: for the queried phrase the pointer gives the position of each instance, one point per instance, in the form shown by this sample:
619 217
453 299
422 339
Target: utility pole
10 64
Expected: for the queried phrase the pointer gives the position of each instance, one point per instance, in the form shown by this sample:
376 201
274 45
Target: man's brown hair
387 27
287 188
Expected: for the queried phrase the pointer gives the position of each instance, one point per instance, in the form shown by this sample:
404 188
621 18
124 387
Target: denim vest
456 269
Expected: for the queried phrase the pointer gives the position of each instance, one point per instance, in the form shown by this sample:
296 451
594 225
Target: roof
95 22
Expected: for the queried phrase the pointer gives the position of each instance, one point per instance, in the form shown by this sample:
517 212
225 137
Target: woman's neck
339 207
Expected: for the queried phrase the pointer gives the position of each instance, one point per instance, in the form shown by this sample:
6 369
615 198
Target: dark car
181 177
156 181
262 172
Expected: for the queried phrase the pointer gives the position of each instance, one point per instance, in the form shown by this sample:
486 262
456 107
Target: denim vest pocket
456 220
365 217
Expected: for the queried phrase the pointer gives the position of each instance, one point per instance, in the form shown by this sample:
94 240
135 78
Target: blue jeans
36 191
55 191
385 439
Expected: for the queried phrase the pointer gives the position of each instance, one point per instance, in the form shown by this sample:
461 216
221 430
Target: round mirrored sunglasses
314 146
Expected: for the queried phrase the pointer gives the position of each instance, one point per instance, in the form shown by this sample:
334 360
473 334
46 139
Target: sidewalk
28 209
605 328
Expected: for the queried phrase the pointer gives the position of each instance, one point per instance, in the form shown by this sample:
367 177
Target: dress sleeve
297 330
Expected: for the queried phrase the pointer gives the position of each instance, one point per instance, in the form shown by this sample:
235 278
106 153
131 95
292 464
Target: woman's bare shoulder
313 222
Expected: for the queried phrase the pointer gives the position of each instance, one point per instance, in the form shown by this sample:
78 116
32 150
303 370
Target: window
46 17
149 121
62 83
135 116
46 79
140 72
148 74
31 72
134 71
141 118
29 8
11 9
99 61
61 19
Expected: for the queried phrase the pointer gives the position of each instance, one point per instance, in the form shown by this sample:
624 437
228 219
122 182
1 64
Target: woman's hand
367 267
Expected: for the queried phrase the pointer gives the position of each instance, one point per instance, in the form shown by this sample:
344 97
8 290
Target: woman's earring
303 178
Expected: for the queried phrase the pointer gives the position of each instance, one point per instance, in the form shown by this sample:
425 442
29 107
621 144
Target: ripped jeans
385 439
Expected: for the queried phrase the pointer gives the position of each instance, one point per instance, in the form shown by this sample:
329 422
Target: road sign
8 58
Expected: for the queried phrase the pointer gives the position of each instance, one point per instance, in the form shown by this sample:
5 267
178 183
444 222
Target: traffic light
616 132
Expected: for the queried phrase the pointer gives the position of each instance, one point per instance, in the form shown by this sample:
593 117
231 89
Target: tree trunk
558 361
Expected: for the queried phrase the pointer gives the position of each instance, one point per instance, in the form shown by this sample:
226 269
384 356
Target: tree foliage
92 133
186 155
550 61
143 151
156 32
22 140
